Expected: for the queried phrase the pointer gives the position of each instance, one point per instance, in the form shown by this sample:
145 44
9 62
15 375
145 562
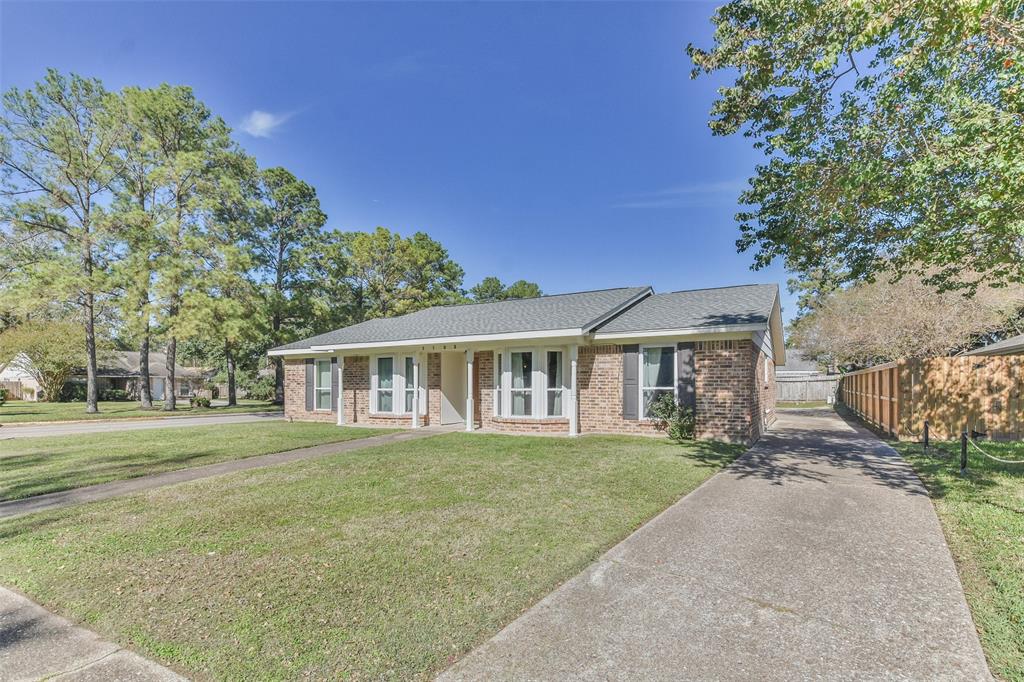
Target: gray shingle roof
560 311
1011 346
726 306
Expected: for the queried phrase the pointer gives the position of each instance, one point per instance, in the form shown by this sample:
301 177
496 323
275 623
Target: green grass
20 411
32 466
982 515
797 404
384 563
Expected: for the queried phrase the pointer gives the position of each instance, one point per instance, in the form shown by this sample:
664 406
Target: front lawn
982 515
20 411
388 562
32 466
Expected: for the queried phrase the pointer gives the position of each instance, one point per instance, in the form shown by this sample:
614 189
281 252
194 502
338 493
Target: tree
49 351
58 162
491 289
284 243
893 132
392 275
191 151
881 321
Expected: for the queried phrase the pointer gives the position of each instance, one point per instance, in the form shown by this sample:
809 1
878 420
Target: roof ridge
727 286
509 300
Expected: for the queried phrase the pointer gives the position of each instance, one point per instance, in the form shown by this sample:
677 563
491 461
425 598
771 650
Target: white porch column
416 391
573 412
341 390
469 390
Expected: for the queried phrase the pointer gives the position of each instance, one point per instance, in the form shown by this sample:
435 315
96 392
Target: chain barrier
993 457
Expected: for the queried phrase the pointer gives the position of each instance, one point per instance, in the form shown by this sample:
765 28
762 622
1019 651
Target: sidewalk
36 644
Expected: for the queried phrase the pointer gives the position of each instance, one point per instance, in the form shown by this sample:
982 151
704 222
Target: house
120 371
587 362
18 381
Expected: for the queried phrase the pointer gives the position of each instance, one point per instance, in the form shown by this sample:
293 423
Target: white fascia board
686 331
449 340
594 324
294 351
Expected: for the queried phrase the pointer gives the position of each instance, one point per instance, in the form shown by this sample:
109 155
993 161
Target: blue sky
560 143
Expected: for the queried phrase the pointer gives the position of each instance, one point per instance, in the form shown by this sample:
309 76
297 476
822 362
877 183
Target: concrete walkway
118 425
36 644
104 491
817 555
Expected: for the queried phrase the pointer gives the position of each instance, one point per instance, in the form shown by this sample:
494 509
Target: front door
453 388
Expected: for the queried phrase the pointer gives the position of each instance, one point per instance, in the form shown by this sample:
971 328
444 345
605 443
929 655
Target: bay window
522 384
385 384
554 384
392 387
322 385
657 375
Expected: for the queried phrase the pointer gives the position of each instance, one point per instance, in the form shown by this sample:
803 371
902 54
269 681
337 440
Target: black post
926 435
963 452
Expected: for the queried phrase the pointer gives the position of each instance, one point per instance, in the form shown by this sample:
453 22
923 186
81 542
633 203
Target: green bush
680 422
199 401
113 394
257 387
3 396
73 392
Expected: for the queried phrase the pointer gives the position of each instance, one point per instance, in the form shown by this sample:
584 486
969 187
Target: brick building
588 362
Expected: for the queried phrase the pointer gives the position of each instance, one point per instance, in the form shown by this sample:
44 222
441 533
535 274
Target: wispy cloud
263 123
693 194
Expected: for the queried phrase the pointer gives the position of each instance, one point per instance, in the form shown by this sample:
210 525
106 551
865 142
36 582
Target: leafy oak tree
47 350
892 130
58 162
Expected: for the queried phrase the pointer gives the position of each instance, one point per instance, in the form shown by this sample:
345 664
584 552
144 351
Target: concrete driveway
816 556
118 425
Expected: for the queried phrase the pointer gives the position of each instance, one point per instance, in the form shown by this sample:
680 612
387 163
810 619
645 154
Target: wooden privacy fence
806 388
13 389
977 393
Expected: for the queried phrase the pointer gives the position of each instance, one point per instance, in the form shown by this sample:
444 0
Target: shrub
3 396
680 422
113 394
199 401
257 387
73 392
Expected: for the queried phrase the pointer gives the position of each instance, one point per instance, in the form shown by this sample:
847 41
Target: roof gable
750 304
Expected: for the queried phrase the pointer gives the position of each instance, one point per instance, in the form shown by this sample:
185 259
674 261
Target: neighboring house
588 362
18 381
119 370
802 379
1011 346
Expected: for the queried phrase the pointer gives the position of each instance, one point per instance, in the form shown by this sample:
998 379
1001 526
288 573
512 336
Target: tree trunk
169 393
145 395
91 392
229 360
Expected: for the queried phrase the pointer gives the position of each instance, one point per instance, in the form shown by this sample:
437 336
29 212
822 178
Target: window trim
640 377
317 389
533 384
562 389
539 382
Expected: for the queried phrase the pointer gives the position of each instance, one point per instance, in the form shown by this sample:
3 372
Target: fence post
963 452
926 435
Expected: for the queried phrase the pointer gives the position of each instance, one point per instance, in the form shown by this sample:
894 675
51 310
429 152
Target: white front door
453 388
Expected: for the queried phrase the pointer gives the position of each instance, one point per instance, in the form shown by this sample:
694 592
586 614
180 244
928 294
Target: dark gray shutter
686 381
310 378
630 382
334 384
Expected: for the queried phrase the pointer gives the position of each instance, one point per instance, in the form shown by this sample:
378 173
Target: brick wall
599 380
764 396
295 394
725 389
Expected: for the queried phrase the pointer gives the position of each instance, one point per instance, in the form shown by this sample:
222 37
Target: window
554 387
410 387
184 389
385 384
322 385
522 384
657 375
767 377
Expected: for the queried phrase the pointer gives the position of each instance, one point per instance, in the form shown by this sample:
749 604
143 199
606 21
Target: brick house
587 362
